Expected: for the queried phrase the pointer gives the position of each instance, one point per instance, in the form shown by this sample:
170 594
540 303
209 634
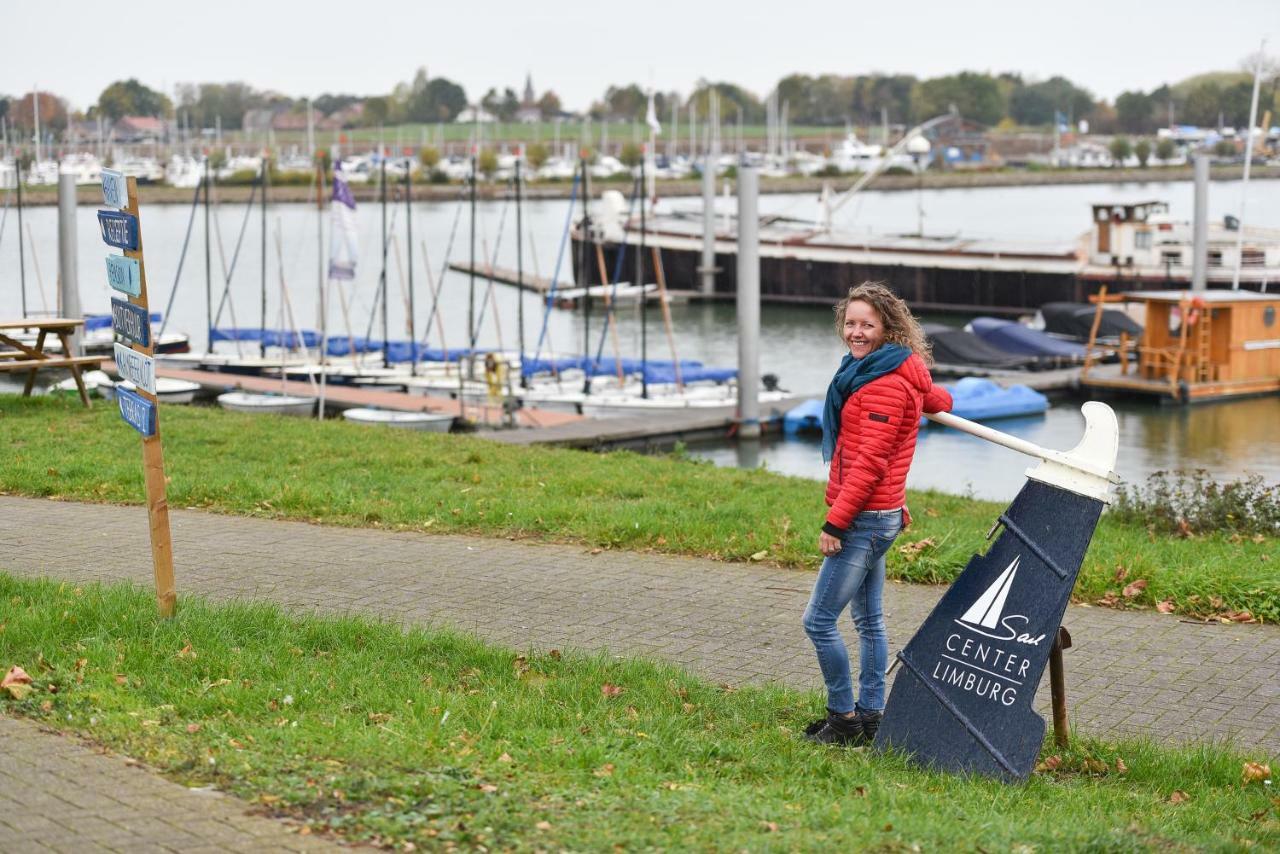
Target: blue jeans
854 577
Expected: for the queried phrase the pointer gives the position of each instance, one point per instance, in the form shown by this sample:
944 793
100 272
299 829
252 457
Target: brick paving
1129 672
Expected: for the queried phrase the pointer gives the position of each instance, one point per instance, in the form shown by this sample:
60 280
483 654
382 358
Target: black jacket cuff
828 528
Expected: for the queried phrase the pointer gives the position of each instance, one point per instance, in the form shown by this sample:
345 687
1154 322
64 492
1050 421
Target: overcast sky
76 48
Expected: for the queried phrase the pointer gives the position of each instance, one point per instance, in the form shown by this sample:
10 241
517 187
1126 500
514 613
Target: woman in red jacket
869 429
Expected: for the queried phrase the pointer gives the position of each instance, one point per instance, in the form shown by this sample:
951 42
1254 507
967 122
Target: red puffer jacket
878 426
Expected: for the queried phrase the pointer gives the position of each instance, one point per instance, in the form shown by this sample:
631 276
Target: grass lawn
373 732
343 474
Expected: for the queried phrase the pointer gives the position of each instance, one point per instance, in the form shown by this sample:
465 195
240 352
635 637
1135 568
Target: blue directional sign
962 700
115 189
138 412
130 322
124 275
119 229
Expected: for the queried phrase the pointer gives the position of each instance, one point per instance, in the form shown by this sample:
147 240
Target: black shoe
838 730
812 728
868 724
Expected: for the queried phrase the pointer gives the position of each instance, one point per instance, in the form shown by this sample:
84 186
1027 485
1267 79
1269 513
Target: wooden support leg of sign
152 454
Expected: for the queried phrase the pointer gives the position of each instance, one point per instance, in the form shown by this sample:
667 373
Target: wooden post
152 454
1058 687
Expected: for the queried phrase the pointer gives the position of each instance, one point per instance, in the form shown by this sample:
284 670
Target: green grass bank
372 732
341 474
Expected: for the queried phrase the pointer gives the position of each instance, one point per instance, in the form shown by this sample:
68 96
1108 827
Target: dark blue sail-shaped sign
962 698
138 412
119 229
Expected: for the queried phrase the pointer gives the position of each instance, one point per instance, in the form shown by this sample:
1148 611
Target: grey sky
307 48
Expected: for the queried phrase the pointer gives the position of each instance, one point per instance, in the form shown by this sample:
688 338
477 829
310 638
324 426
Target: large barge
1129 247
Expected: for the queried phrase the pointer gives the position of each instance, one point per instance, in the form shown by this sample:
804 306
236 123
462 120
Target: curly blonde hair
900 325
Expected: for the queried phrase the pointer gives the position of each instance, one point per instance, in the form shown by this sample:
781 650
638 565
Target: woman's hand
828 544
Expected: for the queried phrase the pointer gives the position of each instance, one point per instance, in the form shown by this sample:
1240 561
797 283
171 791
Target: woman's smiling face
863 329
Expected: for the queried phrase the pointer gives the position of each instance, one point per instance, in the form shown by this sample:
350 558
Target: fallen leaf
605 770
1254 771
1240 617
187 652
121 679
193 728
1121 767
1109 600
1095 766
1178 797
555 654
687 707
910 550
611 690
761 555
931 513
1184 530
488 788
1135 588
769 826
859 791
1122 572
595 551
16 682
46 706
1053 762
1165 607
543 825
506 757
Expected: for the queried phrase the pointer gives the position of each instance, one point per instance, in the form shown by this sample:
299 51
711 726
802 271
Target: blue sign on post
124 275
138 412
130 322
115 189
119 229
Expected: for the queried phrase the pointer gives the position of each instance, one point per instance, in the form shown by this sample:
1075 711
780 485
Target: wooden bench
34 359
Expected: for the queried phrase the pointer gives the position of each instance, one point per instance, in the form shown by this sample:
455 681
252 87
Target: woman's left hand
828 544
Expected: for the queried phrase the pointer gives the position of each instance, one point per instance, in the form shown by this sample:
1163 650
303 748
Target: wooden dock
1060 380
339 397
567 293
649 432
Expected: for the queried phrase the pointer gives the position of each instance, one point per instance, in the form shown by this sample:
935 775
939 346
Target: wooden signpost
131 322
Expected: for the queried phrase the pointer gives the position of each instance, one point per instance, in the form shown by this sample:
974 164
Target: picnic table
24 357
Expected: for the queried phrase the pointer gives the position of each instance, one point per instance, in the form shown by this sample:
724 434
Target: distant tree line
1005 100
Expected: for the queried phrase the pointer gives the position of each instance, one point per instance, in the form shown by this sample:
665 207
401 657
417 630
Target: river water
797 343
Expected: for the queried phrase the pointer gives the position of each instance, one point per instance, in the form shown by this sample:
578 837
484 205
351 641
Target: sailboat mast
382 284
408 242
208 265
524 380
644 303
262 329
584 271
22 262
471 275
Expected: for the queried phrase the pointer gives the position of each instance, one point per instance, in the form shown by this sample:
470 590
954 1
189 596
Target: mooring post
1200 228
748 303
68 277
708 267
1058 687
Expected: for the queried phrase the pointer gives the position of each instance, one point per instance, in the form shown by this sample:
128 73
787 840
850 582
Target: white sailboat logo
989 607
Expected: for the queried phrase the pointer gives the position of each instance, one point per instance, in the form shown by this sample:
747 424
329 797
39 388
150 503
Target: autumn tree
1165 149
1120 150
1142 150
976 96
536 155
131 98
53 112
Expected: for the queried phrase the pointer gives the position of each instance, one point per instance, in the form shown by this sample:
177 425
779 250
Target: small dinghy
433 422
168 390
805 418
272 404
980 399
1024 341
93 380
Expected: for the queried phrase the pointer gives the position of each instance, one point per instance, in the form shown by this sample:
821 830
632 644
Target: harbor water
798 344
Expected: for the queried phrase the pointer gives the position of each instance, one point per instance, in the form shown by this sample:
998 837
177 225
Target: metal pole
585 273
1248 161
68 278
262 338
1200 239
471 291
408 237
708 268
524 381
208 266
748 302
22 263
382 289
644 303
1058 687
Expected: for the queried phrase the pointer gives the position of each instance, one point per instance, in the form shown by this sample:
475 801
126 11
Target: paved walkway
1128 672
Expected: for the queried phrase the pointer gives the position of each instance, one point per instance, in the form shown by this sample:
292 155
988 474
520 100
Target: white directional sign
137 368
115 189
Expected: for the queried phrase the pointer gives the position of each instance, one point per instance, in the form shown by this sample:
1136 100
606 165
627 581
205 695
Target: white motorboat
147 170
183 171
720 400
271 404
93 381
168 390
433 422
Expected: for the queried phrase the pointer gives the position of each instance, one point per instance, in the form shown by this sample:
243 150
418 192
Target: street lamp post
918 147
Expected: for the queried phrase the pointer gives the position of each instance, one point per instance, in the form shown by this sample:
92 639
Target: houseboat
1194 347
1129 247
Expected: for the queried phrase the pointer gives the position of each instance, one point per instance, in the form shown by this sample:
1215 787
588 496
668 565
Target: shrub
1192 502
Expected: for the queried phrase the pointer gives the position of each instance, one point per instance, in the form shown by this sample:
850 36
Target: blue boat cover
103 321
1016 338
667 374
269 337
980 399
397 351
603 366
805 418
